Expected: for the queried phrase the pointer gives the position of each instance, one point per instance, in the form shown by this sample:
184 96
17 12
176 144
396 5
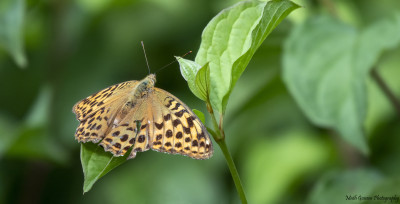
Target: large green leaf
326 63
230 40
11 29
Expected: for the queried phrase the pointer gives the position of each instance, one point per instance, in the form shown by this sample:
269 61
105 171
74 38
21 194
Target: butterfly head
151 80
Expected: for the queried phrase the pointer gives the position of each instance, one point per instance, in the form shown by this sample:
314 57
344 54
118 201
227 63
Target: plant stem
233 170
219 137
386 90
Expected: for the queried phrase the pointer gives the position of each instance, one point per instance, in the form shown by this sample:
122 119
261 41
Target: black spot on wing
179 135
168 134
176 122
167 117
190 121
124 137
180 113
159 126
141 138
176 106
169 102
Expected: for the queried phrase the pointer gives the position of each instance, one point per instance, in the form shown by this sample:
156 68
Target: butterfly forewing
91 104
96 112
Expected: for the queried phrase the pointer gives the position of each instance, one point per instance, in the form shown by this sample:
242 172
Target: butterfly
137 115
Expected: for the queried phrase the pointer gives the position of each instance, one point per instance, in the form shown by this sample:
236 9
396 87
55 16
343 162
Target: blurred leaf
96 163
374 40
254 88
271 165
11 29
189 70
200 115
230 40
33 139
40 111
335 186
328 79
388 189
8 129
36 143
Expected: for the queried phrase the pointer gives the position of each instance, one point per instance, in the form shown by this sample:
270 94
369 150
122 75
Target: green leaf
189 70
203 81
200 115
336 187
96 163
11 29
325 65
230 40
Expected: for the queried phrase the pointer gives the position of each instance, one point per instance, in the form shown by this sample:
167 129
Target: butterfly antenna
145 56
172 62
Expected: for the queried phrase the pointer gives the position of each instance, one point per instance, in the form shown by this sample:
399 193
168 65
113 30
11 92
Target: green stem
219 137
233 170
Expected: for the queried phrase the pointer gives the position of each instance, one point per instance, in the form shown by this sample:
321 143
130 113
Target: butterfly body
145 86
136 115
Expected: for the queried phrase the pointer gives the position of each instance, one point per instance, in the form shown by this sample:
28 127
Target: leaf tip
200 115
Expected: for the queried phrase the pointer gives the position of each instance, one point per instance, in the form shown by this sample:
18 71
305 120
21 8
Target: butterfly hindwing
142 140
180 129
120 138
129 130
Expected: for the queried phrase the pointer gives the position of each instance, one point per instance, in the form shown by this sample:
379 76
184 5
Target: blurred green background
75 48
